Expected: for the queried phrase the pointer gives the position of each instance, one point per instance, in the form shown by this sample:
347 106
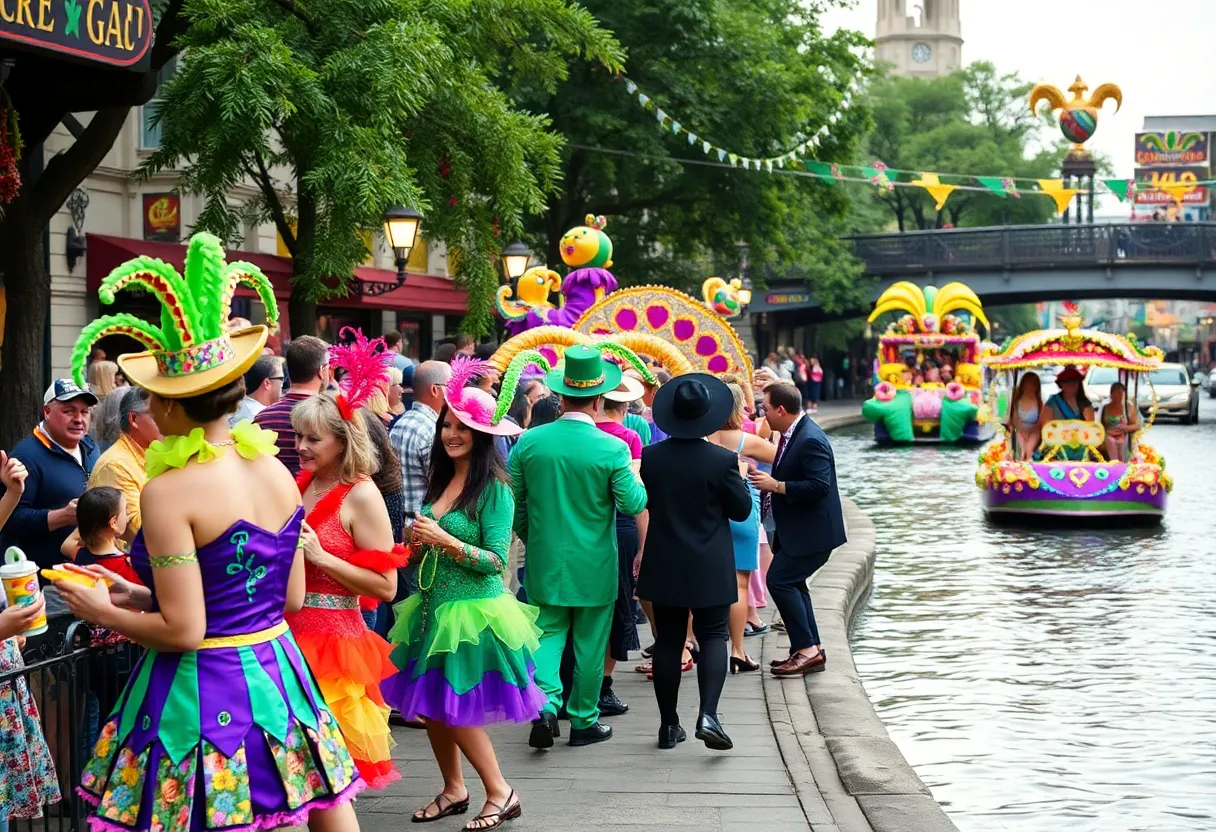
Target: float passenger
1024 416
1069 403
1120 422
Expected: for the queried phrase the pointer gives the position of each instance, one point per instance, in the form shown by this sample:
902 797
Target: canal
1043 679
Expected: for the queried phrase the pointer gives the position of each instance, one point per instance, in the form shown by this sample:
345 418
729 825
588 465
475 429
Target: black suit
694 489
810 524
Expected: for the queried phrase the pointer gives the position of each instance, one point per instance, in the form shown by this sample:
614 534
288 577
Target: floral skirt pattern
232 739
27 775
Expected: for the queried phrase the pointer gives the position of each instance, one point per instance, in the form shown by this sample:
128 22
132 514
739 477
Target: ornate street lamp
401 224
75 245
515 259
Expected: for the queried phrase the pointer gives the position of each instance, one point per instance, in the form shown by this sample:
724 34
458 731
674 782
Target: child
101 520
1120 422
27 775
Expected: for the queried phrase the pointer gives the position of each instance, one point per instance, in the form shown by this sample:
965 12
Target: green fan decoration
510 380
193 335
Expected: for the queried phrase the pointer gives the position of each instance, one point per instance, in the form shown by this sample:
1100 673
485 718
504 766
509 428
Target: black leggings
710 625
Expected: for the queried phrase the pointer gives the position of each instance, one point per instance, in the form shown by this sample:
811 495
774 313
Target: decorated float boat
930 337
1070 475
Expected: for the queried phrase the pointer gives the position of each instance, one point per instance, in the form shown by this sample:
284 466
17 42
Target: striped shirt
277 417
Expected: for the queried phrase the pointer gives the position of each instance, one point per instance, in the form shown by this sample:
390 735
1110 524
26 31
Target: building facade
919 38
125 217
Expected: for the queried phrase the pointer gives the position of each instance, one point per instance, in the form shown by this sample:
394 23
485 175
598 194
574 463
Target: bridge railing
1037 246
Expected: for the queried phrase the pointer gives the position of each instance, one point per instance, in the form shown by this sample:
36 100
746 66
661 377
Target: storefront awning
421 293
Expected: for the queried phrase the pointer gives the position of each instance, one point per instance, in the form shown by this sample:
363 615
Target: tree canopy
746 76
339 109
975 121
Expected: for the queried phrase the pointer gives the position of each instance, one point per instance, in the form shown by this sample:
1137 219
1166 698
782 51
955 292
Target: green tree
975 121
338 109
1011 321
44 95
745 76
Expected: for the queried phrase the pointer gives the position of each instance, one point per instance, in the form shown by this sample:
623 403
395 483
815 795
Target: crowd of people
404 539
933 370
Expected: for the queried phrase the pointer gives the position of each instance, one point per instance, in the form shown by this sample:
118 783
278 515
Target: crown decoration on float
191 352
929 309
1078 116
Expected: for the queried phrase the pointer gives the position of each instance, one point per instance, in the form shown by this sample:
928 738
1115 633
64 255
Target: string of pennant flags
938 185
805 147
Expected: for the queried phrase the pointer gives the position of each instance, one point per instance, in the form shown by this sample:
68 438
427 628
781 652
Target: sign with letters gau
113 32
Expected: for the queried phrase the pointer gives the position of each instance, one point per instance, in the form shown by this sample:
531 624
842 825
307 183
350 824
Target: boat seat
1073 433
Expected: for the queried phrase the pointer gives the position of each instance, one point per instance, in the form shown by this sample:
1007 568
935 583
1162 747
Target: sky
1159 51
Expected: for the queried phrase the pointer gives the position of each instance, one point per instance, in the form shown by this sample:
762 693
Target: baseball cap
407 376
64 390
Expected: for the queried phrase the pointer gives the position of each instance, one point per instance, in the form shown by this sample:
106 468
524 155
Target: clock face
922 53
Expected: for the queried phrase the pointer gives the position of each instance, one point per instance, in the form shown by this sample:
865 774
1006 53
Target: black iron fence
74 682
1038 246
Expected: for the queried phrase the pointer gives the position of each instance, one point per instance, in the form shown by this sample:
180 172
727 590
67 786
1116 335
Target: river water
1035 679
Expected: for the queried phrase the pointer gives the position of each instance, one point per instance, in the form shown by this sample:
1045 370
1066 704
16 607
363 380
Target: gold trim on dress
246 639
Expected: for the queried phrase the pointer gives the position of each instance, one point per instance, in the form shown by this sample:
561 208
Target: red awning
421 293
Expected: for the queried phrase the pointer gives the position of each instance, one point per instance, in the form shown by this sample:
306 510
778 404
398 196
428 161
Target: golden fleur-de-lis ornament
1078 117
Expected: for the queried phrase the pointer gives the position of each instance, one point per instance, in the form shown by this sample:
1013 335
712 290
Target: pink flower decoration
955 391
885 391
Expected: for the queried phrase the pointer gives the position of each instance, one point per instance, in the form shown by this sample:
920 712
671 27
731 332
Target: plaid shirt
412 437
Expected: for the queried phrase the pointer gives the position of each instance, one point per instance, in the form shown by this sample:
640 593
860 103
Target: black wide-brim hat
692 406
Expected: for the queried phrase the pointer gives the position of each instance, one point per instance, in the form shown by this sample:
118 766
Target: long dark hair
485 468
388 473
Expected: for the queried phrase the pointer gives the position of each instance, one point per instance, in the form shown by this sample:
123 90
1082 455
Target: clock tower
919 38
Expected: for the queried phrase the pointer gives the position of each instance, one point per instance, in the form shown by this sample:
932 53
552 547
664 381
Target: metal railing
74 691
1038 247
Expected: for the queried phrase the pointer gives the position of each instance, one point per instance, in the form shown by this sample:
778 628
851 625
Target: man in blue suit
802 496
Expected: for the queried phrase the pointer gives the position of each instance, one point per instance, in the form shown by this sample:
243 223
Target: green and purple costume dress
463 644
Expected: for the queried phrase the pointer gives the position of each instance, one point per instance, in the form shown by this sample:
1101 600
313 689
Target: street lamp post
515 259
401 224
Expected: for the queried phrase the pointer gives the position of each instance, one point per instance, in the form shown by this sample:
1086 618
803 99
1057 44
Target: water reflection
1043 679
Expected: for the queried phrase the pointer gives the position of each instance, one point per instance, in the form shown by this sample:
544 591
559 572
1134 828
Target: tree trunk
28 290
303 315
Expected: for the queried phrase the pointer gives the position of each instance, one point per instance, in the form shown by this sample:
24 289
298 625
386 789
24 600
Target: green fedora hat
584 373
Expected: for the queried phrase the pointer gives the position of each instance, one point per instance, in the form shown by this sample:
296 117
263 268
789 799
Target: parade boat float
912 401
1053 484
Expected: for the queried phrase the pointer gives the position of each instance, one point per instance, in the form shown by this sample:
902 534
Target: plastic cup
21 588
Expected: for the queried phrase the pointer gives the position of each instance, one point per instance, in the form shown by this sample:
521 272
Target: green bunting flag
1122 188
993 183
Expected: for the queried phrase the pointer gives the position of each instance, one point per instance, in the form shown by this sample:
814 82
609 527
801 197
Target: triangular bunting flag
692 139
734 160
1178 190
705 146
675 127
1121 188
769 165
630 86
939 191
721 155
1056 190
994 184
659 115
643 99
821 169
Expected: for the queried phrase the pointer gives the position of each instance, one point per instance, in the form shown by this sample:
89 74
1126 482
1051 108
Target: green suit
570 478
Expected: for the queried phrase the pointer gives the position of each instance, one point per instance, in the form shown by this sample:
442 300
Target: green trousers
590 627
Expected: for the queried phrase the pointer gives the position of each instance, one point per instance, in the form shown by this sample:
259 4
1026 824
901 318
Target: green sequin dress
463 644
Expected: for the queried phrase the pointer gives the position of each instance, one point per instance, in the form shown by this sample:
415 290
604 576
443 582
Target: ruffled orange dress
348 660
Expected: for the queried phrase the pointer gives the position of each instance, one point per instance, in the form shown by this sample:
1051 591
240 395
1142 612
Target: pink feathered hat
473 406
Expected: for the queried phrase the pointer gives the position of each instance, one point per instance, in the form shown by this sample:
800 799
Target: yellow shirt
122 467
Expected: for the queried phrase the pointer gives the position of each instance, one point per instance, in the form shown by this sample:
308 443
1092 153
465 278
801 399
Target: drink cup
20 579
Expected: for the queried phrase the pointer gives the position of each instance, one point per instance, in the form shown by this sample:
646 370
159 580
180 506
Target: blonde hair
394 376
318 415
103 378
735 420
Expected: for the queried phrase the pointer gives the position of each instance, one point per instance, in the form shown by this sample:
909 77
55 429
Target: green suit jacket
570 478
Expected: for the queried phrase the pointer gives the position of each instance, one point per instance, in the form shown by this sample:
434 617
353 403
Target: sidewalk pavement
626 781
839 414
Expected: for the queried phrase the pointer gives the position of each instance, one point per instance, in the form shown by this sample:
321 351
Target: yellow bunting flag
936 189
1056 190
1178 190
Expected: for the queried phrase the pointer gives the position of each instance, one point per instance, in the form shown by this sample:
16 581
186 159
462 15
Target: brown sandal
509 811
453 807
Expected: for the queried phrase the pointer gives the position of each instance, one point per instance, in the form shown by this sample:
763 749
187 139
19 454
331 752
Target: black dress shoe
709 731
590 736
669 735
543 731
611 705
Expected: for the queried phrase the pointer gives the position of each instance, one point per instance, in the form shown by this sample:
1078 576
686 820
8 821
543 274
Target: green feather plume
510 380
241 272
120 324
178 316
206 278
629 358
